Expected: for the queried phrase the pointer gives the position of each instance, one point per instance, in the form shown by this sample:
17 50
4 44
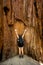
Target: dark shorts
20 45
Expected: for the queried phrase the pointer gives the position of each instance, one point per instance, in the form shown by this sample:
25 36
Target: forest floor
20 61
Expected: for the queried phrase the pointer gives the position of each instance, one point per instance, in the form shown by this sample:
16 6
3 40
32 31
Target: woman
20 42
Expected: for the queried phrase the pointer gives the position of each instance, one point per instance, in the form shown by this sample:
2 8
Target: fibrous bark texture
21 14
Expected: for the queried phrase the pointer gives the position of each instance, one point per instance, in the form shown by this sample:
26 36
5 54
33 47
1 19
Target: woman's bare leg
20 52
